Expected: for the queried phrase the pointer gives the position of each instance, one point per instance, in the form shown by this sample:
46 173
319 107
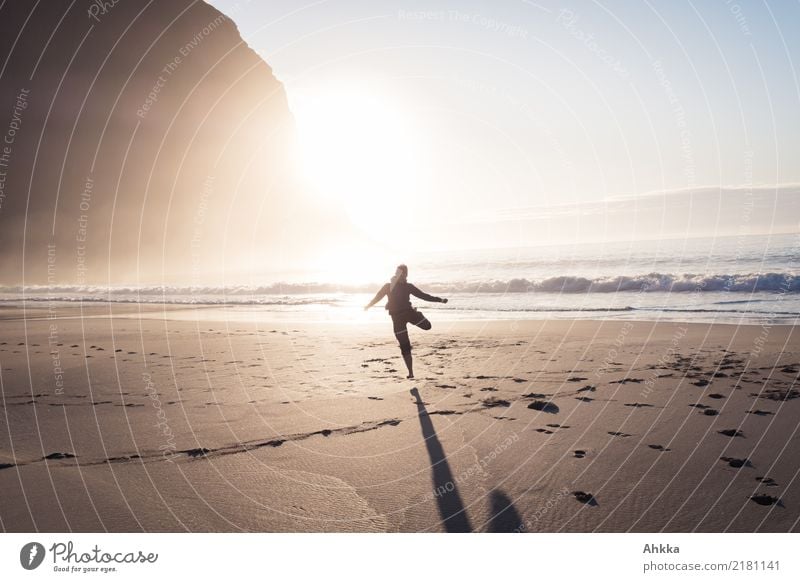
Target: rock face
142 141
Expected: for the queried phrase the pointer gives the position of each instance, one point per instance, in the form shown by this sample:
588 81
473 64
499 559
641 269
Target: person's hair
403 268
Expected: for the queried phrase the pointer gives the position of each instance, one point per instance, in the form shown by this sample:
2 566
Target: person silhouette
398 290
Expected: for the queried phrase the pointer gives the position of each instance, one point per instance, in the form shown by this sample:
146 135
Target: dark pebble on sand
544 406
584 497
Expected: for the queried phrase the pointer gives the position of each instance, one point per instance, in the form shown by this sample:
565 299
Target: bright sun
360 150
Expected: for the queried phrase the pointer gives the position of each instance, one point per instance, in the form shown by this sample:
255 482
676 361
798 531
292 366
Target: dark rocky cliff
144 141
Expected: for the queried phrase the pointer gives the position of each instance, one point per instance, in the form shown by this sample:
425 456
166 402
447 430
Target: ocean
744 279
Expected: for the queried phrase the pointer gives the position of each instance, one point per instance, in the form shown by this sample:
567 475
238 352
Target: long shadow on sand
451 508
505 517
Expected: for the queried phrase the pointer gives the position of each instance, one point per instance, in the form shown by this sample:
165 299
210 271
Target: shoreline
239 312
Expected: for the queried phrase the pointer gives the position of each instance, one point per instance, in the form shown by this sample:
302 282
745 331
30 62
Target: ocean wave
648 283
169 299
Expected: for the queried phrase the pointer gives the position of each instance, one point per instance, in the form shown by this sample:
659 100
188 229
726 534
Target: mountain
142 141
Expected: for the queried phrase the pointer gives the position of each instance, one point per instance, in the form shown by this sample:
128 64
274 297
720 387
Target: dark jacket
399 299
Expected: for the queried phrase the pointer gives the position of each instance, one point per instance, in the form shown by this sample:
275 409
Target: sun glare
360 150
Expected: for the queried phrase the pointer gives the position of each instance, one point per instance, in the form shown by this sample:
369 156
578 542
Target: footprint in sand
584 399
556 425
731 432
576 379
489 389
736 463
58 455
760 412
619 434
492 402
701 383
544 430
639 405
710 412
588 388
716 396
700 406
763 499
374 398
659 448
768 481
579 453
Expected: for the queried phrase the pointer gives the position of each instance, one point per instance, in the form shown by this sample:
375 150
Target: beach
128 418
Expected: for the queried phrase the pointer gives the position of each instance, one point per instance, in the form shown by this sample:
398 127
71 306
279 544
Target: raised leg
422 322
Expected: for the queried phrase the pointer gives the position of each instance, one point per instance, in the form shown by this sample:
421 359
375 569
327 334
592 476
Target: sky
450 123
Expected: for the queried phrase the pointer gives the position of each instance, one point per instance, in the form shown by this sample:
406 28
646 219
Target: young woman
399 306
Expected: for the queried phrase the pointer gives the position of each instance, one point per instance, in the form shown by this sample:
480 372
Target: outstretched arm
378 296
417 293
